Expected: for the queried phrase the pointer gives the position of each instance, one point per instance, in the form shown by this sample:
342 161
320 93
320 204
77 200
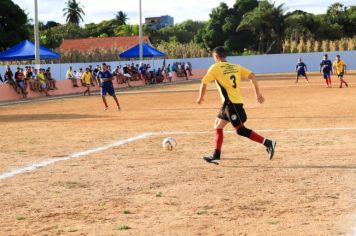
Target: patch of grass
21 151
204 212
69 184
72 230
122 227
125 211
20 218
273 222
159 194
102 205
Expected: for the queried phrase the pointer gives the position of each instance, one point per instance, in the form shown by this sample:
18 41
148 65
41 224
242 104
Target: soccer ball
169 144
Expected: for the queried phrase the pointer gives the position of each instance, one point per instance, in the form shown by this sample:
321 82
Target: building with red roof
89 44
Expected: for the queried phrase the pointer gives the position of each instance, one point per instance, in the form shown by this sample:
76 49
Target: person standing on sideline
301 69
228 77
339 67
326 67
86 79
105 77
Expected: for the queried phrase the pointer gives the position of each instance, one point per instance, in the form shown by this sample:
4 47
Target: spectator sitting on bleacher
159 76
184 70
9 78
28 75
50 80
94 74
142 70
168 73
174 67
190 68
70 76
34 84
127 75
115 74
1 79
78 75
42 81
20 81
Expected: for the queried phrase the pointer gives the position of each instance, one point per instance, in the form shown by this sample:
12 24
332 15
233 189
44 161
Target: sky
96 11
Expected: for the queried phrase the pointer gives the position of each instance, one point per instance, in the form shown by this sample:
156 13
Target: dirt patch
140 189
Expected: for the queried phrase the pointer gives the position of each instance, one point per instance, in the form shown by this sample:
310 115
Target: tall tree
121 18
267 23
221 27
13 24
73 12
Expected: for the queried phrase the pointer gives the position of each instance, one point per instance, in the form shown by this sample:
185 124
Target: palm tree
121 18
73 12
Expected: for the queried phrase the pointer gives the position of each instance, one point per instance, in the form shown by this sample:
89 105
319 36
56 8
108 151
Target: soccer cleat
271 148
106 108
212 159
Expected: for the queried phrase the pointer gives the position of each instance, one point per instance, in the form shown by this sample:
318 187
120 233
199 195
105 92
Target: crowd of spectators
41 80
23 79
124 74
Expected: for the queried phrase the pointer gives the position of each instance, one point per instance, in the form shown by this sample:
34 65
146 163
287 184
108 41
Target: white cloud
96 11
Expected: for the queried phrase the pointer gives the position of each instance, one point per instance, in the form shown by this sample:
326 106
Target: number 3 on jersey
233 78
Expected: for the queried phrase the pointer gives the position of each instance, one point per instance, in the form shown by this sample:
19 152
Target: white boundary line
36 165
47 162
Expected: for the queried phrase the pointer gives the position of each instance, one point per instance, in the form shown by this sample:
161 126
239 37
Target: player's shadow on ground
297 167
44 117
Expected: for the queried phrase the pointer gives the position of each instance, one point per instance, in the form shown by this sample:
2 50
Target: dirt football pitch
106 173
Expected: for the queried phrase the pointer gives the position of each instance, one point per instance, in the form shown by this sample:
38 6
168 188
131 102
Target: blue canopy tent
26 51
148 51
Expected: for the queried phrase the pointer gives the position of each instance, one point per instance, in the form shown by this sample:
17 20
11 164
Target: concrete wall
260 64
7 93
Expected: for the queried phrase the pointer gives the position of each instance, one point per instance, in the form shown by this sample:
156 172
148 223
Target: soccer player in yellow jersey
340 69
86 78
227 77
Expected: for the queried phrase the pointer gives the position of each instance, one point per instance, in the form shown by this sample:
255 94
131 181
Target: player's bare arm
201 93
254 83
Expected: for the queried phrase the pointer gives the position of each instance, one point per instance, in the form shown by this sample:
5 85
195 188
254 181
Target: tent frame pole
37 38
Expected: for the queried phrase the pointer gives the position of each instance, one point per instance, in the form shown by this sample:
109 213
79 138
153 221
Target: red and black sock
257 138
245 132
219 138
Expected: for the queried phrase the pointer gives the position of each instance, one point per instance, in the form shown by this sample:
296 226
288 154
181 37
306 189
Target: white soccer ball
169 144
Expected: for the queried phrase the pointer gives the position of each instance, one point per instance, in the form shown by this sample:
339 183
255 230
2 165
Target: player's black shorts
301 73
340 75
235 113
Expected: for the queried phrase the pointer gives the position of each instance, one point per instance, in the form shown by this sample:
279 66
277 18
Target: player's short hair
325 55
103 64
220 51
338 56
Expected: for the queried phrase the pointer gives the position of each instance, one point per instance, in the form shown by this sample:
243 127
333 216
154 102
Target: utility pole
140 33
37 38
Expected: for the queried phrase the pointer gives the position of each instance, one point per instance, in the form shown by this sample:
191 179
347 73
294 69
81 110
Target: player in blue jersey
301 69
326 68
105 77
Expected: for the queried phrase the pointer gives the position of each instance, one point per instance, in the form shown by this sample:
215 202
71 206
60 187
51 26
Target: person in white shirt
78 75
70 75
